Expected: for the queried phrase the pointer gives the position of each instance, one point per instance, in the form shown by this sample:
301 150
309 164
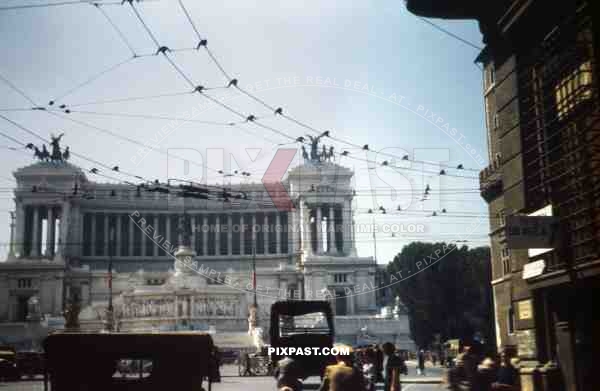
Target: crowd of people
354 370
473 371
360 369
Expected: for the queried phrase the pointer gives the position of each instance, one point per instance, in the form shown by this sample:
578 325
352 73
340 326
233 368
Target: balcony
490 180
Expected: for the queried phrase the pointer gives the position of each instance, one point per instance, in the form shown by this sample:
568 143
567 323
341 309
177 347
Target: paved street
228 384
234 383
231 382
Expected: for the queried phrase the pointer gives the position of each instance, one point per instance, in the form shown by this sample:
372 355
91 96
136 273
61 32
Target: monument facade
61 249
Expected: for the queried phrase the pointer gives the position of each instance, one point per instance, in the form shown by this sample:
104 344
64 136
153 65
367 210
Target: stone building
68 229
541 93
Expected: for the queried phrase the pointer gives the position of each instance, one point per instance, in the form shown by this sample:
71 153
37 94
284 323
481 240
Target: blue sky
376 52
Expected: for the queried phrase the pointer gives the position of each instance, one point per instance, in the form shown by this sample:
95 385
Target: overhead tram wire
116 28
279 110
17 90
147 116
57 4
217 189
164 50
247 118
90 80
439 28
130 99
34 134
203 43
133 141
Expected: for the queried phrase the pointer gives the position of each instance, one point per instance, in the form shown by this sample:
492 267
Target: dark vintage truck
302 324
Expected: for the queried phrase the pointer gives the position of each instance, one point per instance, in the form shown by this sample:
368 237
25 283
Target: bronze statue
45 153
314 145
66 154
56 154
304 153
71 314
331 155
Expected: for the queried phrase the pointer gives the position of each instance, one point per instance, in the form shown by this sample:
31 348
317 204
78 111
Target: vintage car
154 361
8 364
302 324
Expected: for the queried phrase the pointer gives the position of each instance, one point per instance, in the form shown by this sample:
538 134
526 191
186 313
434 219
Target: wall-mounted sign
525 309
534 269
525 232
526 343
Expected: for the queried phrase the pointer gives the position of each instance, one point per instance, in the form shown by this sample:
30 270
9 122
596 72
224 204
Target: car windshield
311 323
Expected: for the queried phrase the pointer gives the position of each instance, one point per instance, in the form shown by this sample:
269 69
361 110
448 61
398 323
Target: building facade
69 231
541 98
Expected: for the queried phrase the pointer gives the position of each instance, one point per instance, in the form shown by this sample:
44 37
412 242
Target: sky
369 72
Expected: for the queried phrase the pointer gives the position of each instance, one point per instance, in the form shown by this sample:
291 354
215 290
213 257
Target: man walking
421 362
343 376
393 366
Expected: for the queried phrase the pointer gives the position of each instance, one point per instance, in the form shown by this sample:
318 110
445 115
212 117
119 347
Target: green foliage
452 296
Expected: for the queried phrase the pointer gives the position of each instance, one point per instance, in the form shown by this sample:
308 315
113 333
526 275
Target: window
340 278
24 283
491 75
572 90
510 319
496 122
502 216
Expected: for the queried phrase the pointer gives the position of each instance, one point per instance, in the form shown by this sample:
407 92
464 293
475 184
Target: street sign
525 232
533 269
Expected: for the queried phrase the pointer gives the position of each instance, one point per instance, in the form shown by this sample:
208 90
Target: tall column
106 238
266 230
229 234
242 236
11 243
20 229
194 228
35 244
51 233
144 239
331 247
118 234
130 241
319 230
168 225
292 232
347 227
70 235
217 235
205 235
179 233
278 233
93 234
304 243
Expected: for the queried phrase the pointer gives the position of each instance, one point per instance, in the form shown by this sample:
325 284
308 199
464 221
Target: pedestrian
246 364
507 378
434 359
288 374
369 369
486 375
421 362
393 366
343 376
378 362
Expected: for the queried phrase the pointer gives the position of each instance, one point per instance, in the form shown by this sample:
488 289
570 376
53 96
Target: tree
446 290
